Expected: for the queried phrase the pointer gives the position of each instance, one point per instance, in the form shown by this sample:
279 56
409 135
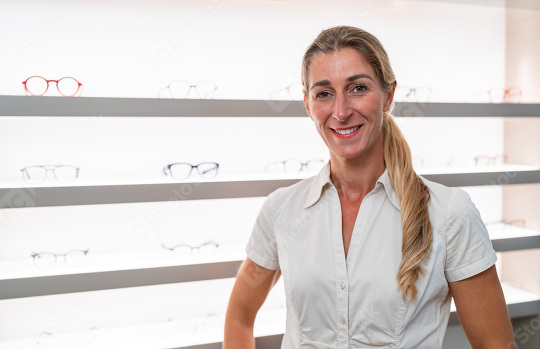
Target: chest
349 214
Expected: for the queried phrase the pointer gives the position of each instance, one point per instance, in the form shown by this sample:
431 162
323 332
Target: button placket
342 295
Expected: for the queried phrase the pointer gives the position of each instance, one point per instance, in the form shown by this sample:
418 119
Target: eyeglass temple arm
272 164
26 92
82 89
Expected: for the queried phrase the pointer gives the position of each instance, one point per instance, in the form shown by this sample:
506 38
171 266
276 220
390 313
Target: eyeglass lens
183 251
295 166
46 260
62 173
183 170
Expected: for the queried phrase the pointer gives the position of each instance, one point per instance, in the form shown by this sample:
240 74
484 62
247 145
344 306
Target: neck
355 178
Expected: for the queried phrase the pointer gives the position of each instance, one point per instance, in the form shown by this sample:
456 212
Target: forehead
337 65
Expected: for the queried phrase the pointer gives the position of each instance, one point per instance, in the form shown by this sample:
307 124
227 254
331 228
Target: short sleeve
469 250
261 247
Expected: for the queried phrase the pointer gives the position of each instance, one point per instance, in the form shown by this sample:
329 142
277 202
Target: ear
389 97
306 104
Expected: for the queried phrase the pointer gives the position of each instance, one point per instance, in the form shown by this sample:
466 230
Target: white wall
250 49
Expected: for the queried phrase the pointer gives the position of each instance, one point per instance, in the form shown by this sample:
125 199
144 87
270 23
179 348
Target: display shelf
207 332
20 279
82 282
120 191
144 107
506 237
189 333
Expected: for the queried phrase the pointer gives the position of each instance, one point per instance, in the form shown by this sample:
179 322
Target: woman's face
346 103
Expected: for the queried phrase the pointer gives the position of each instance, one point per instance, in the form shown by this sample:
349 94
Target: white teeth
346 132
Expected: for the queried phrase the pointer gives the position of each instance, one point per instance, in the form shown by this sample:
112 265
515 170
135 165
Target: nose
342 109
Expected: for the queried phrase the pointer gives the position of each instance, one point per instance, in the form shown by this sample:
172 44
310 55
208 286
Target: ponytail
413 197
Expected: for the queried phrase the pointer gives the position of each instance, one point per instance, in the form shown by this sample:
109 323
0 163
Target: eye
322 94
359 88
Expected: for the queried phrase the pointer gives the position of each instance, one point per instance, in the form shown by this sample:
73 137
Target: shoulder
292 196
448 203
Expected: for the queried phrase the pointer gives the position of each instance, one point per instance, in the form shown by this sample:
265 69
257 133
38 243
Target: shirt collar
323 178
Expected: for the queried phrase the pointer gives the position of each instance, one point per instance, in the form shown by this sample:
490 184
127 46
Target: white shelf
207 332
20 278
144 107
171 333
506 237
131 190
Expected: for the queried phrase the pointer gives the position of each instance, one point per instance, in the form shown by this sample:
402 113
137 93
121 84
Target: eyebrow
349 79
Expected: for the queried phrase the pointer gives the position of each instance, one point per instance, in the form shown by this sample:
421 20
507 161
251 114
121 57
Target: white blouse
333 302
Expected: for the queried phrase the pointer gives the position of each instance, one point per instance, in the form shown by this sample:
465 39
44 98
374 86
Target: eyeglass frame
491 159
47 89
36 254
505 95
167 169
168 87
302 164
288 89
48 168
412 90
209 242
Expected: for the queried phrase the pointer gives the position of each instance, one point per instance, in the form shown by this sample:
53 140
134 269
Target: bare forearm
238 335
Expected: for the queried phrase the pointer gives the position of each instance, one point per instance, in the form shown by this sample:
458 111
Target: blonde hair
412 193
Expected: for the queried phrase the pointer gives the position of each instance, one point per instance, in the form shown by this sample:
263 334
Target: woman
371 253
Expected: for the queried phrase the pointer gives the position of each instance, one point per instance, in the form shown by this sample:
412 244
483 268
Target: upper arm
252 286
469 250
482 311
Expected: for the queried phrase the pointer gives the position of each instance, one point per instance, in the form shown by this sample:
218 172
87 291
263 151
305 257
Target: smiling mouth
347 131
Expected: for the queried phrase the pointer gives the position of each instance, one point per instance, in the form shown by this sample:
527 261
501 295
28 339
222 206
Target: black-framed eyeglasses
182 170
181 89
296 166
62 173
47 260
205 249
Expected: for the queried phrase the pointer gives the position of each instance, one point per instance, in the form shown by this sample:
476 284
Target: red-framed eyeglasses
38 86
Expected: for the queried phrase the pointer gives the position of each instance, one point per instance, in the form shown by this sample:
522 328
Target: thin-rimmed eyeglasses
62 173
181 89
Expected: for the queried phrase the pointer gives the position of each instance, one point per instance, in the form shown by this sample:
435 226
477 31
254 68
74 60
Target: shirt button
342 320
342 285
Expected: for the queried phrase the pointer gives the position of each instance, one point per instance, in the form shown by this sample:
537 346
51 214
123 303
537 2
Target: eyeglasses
296 166
293 91
505 95
47 260
182 170
412 94
484 160
62 173
181 89
182 251
37 86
